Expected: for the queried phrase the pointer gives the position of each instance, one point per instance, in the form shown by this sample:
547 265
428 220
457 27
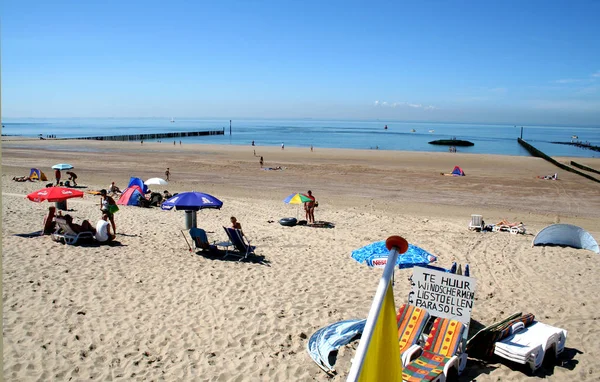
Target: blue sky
515 62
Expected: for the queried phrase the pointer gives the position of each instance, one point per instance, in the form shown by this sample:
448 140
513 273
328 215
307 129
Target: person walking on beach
282 146
309 208
57 175
167 173
108 206
311 148
261 162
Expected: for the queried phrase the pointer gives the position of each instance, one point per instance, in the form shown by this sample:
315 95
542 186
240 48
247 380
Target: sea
323 134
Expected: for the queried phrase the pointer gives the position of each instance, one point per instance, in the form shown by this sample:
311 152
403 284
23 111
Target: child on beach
167 173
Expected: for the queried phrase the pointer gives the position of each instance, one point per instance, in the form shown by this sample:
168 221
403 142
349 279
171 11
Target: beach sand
148 309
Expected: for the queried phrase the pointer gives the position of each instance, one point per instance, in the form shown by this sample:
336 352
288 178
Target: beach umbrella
297 198
62 166
156 182
376 255
54 194
191 201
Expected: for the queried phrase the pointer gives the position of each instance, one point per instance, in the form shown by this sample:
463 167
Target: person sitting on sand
103 233
167 195
84 227
72 177
113 189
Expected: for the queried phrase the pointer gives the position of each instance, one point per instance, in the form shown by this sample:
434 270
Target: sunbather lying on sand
22 179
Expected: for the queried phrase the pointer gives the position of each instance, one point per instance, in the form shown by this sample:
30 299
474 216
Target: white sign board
443 294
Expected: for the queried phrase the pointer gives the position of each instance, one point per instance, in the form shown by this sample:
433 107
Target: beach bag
112 208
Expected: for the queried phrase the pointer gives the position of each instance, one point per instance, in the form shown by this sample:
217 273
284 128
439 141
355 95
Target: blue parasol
376 254
191 201
62 166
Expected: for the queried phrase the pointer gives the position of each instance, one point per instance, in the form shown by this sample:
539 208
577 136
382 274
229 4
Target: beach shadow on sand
220 256
29 235
96 244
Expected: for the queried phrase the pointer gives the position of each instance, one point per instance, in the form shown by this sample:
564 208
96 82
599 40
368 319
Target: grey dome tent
567 235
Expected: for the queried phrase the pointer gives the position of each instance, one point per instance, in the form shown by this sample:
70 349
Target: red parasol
54 194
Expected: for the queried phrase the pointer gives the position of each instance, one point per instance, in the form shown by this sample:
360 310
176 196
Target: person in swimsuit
105 206
309 208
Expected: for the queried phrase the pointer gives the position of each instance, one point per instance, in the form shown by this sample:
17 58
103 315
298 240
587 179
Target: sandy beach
148 309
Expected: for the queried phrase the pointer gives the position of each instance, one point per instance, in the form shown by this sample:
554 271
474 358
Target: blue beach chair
236 238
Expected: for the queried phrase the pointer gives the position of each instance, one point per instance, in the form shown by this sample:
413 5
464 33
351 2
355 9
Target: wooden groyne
579 144
144 137
537 153
586 168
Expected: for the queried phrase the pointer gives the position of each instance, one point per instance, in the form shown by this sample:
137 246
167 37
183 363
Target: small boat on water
432 131
385 128
574 137
413 131
172 120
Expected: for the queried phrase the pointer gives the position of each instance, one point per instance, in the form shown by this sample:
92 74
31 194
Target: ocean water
488 139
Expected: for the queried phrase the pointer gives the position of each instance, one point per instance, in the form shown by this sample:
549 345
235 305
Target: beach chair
65 234
236 239
411 323
529 345
476 223
440 357
199 239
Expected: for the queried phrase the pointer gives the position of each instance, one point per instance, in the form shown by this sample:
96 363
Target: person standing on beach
167 173
57 175
282 146
261 162
309 208
311 148
108 206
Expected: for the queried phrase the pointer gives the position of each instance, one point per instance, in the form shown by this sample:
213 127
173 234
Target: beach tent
36 174
131 196
567 235
138 182
458 171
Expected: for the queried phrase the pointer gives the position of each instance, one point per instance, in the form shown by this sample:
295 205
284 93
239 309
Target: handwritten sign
443 294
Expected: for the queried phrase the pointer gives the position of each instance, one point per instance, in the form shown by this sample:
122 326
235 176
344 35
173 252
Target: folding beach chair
65 234
442 354
200 239
237 240
411 323
476 223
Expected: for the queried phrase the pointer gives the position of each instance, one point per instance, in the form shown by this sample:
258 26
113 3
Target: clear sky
516 62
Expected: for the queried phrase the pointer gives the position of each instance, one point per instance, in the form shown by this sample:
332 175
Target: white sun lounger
476 223
529 345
